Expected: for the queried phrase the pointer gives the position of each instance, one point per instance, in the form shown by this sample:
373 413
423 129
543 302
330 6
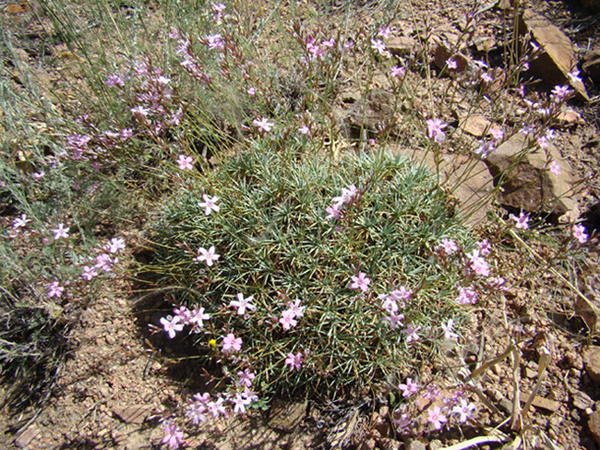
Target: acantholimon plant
304 273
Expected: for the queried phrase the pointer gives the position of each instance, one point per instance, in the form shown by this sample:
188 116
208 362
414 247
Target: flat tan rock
475 124
133 414
559 58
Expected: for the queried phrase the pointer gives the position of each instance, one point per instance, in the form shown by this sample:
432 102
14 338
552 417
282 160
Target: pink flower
104 262
561 93
55 289
497 134
347 196
334 212
20 222
240 402
296 308
263 125
436 418
215 41
171 325
435 129
478 264
210 203
231 343
448 246
288 319
579 234
185 162
486 78
555 168
304 130
38 175
452 64
173 434
409 388
360 282
384 32
394 319
294 361
246 377
378 46
484 247
251 91
411 333
61 232
464 410
195 412
242 304
398 72
88 273
466 296
522 221
207 256
115 245
197 318
447 327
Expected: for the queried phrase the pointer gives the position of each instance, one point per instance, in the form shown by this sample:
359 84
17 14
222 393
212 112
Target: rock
442 55
591 360
543 403
591 65
594 425
389 444
435 444
401 45
475 124
25 438
469 180
378 112
582 401
415 445
569 118
485 43
133 414
526 183
286 416
559 57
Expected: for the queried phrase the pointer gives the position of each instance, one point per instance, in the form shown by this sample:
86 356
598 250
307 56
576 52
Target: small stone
475 124
132 414
591 360
582 401
401 45
435 444
25 438
569 118
416 445
442 55
543 403
286 416
530 373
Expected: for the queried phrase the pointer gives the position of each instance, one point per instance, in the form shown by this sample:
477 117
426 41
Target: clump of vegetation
324 272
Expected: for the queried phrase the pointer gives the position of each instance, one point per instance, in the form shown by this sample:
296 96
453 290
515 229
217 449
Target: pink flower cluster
317 51
349 195
454 406
288 317
474 265
183 317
